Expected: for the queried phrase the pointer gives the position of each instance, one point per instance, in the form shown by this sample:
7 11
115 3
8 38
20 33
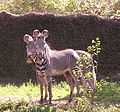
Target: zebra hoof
95 90
70 100
45 99
41 101
50 102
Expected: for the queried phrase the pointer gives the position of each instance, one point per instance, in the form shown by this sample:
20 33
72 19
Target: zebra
87 83
57 63
40 64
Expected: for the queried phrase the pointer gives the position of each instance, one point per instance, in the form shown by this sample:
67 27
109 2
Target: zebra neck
48 50
41 65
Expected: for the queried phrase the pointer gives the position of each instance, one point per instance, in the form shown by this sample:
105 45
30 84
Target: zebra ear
45 34
27 38
36 33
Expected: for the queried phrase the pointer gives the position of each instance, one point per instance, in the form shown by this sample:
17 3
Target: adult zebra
56 63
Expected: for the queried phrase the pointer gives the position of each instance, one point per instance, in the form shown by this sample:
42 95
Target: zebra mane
48 51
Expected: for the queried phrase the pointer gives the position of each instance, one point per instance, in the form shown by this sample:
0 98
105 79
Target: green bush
85 63
95 48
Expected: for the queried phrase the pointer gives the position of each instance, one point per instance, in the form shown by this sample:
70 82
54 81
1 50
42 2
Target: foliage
85 63
95 48
97 7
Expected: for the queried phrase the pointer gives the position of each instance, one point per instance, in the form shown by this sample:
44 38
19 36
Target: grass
12 98
25 91
108 92
30 91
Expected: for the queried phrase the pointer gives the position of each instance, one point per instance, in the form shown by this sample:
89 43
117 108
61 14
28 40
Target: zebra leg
44 82
78 90
46 95
92 85
80 81
41 89
77 86
50 89
46 87
70 80
38 78
41 82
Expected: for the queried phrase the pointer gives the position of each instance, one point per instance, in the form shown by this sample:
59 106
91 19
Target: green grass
25 91
30 91
14 98
108 92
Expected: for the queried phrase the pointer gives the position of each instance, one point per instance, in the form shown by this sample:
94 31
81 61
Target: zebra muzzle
31 59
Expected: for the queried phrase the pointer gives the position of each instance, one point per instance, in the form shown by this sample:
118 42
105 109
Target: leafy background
106 8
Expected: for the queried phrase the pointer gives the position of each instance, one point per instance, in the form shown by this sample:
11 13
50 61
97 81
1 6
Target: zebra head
40 43
36 47
30 48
